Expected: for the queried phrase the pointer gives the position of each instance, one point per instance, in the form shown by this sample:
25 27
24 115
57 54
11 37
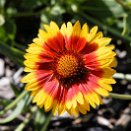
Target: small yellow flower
70 68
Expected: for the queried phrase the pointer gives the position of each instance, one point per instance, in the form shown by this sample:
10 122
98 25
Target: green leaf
10 29
13 53
7 31
39 119
116 9
4 102
102 9
15 89
16 112
2 34
14 102
47 122
128 22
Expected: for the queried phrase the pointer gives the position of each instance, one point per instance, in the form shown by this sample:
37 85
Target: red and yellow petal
92 33
66 30
49 32
48 91
101 58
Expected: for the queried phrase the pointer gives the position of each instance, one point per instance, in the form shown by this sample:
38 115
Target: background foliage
19 23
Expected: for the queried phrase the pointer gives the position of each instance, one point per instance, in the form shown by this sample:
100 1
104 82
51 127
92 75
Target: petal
27 69
102 92
63 29
61 100
72 40
69 29
71 97
76 29
51 88
102 41
66 31
73 111
55 107
84 31
54 45
99 59
28 77
51 29
80 98
87 96
83 45
81 109
34 49
39 97
92 33
98 35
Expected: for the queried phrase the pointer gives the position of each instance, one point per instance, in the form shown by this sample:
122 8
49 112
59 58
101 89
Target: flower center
69 68
67 65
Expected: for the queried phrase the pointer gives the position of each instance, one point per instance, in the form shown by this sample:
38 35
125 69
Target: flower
69 69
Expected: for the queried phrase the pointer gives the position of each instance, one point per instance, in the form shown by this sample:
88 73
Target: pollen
67 66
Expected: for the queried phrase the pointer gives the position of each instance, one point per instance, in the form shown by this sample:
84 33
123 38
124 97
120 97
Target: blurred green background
19 24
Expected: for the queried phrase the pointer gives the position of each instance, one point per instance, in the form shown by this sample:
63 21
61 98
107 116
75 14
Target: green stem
124 25
120 96
26 119
11 105
123 4
44 128
13 53
24 123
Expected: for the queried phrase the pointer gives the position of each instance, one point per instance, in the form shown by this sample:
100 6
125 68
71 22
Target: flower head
69 69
